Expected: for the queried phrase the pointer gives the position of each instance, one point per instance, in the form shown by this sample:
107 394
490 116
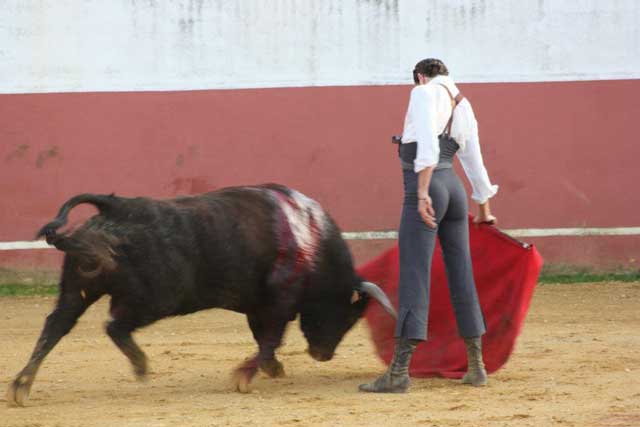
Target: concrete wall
97 45
554 84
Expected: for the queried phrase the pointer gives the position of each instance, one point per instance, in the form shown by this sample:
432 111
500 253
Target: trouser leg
454 240
416 243
464 296
453 232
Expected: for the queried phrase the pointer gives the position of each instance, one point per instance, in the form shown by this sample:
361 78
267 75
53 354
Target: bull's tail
102 202
95 247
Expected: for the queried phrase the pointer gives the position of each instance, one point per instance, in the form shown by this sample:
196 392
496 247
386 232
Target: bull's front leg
267 331
268 334
70 306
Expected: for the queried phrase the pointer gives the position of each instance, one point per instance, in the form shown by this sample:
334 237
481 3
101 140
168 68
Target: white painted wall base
391 235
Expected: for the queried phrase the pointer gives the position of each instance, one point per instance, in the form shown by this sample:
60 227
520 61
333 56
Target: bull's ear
355 297
378 294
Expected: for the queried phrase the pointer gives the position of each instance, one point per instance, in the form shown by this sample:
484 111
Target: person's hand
425 209
485 218
484 215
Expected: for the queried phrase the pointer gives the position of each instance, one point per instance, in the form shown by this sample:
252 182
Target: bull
266 251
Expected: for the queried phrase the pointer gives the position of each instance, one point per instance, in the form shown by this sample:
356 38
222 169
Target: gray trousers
417 242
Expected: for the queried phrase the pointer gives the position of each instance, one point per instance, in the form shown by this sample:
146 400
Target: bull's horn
374 291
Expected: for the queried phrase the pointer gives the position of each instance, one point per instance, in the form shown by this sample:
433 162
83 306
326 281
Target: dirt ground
577 363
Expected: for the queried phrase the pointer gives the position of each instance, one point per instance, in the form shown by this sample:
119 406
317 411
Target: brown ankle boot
396 379
476 374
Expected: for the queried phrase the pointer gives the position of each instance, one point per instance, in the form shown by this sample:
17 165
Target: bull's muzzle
319 354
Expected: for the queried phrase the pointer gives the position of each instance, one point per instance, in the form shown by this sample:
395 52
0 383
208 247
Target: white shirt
427 116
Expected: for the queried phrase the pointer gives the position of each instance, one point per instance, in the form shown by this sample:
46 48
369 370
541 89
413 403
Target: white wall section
122 45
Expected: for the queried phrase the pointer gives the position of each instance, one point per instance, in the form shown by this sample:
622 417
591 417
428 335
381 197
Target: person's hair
430 67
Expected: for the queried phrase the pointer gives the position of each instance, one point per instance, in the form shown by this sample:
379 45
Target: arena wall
171 98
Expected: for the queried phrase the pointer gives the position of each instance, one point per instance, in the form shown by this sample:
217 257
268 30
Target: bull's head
325 320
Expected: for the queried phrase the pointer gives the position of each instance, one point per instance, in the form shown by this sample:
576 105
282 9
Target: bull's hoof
139 365
242 379
272 368
18 392
140 371
141 377
241 382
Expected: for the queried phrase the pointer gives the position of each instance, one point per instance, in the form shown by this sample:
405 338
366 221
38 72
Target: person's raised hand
483 218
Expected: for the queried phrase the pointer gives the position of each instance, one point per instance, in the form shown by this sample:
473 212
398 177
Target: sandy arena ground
577 363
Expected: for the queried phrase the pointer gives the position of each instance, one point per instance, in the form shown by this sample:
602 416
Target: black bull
266 251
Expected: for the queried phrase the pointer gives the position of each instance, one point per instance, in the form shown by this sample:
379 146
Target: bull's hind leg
267 330
119 331
70 306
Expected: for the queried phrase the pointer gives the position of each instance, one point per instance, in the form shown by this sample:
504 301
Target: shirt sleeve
472 163
422 111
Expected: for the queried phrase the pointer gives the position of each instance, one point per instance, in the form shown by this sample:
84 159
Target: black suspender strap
454 103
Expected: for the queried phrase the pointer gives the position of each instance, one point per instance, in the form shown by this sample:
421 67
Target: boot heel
396 379
476 374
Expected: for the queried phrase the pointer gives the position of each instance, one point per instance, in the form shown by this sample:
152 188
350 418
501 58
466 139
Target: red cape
506 272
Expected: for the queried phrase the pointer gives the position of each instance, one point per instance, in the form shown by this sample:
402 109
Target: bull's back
190 253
